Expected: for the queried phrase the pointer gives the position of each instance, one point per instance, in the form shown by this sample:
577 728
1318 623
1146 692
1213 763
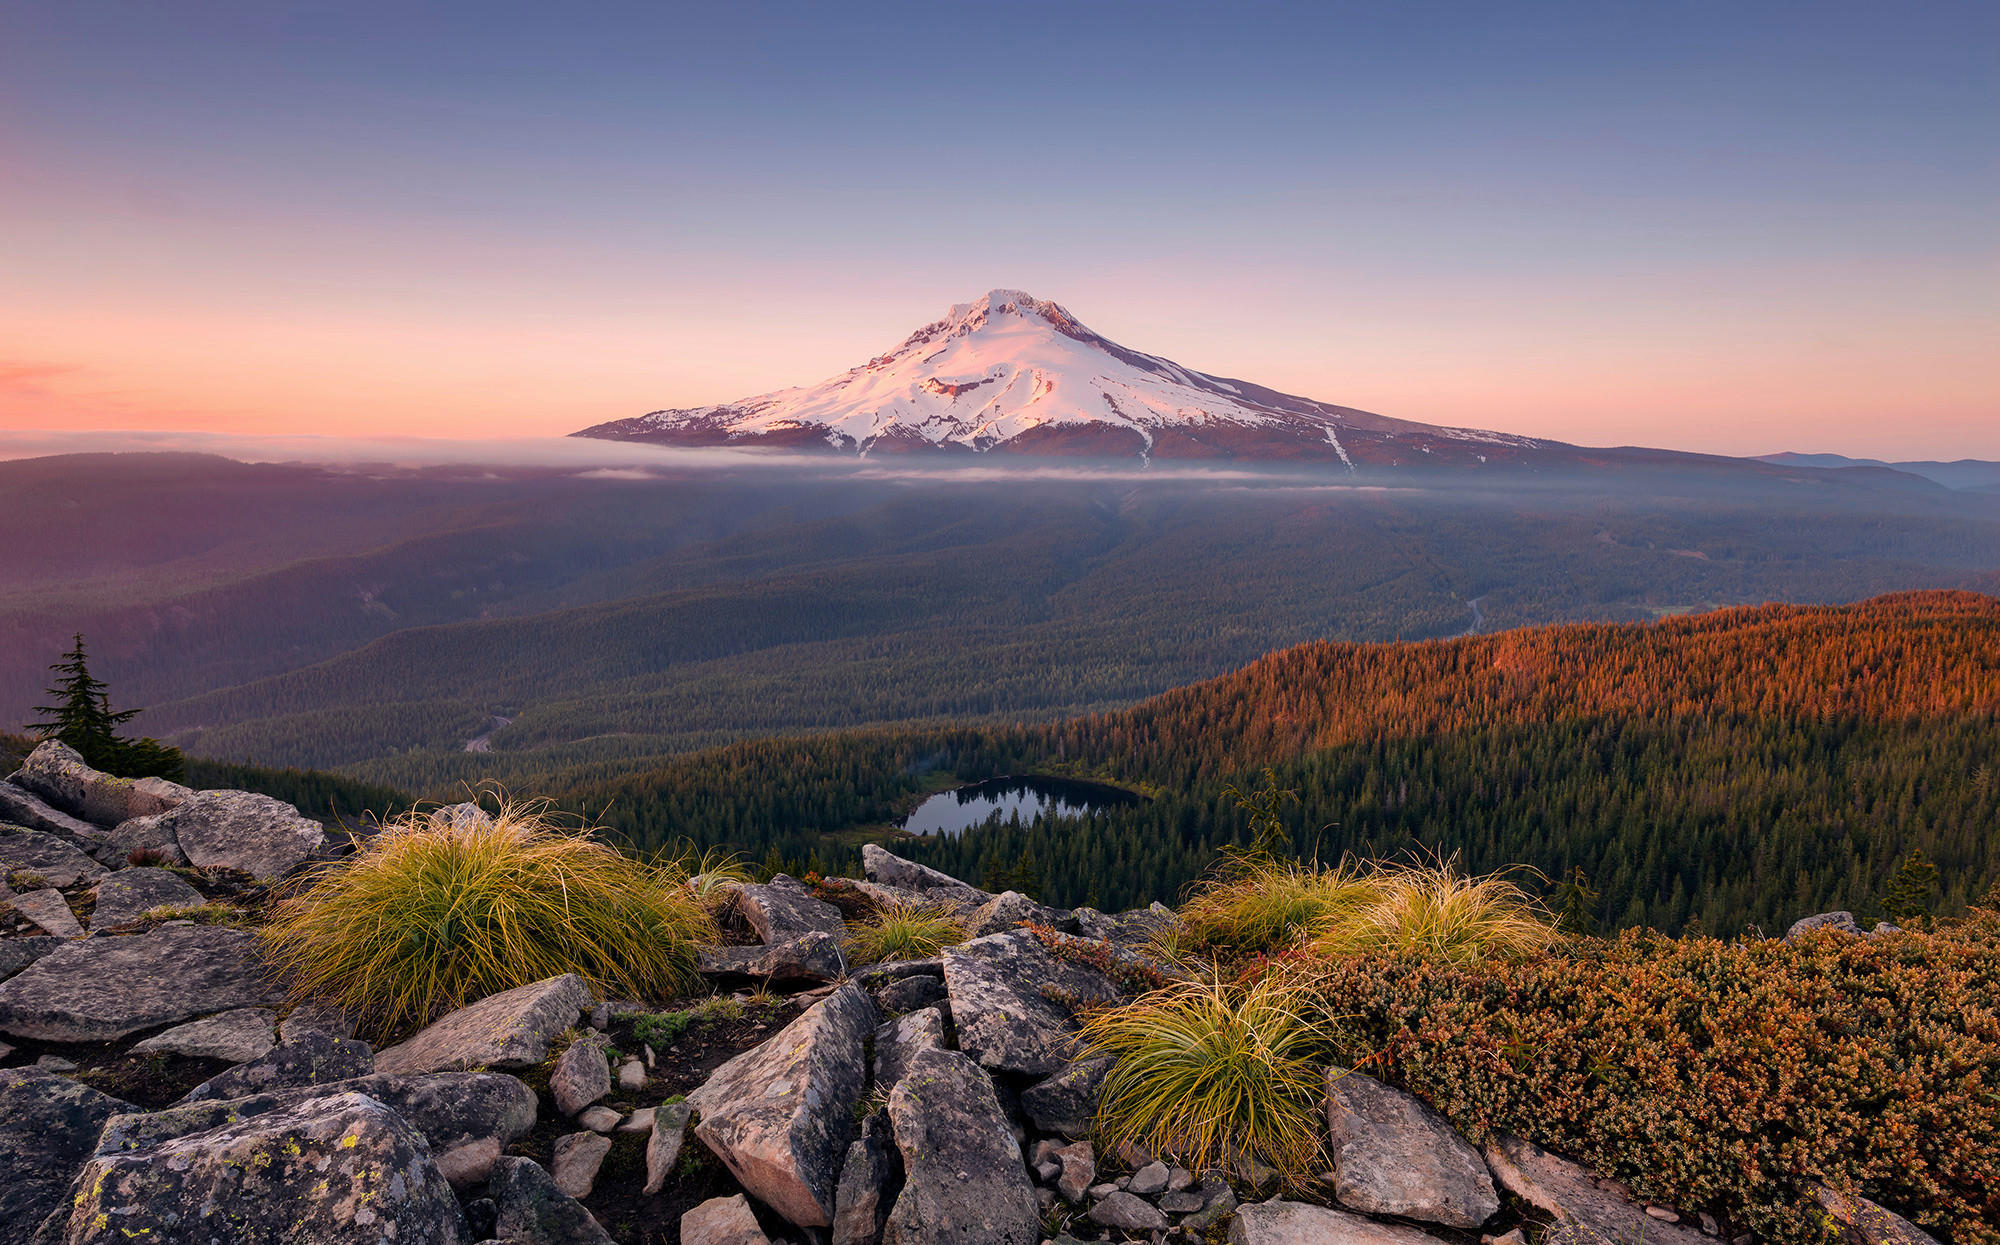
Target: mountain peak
1015 372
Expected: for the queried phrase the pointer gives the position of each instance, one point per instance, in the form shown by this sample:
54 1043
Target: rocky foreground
938 1100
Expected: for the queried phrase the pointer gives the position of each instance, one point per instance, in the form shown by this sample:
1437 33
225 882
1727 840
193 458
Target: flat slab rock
17 953
329 1171
56 772
58 861
1395 1155
49 911
129 894
1569 1192
780 1116
48 1125
783 908
999 988
964 1182
901 1040
237 1036
811 956
310 1058
22 807
466 1117
1296 1223
100 989
885 868
512 1029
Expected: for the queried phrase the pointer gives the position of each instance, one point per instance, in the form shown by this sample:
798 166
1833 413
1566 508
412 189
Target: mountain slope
1015 373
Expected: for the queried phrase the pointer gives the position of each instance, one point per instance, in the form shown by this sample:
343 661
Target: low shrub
1715 1076
1211 1073
429 916
903 932
660 1030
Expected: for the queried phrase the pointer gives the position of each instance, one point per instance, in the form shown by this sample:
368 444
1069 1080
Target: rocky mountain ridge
938 1100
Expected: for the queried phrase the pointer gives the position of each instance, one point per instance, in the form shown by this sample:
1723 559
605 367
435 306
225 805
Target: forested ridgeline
1734 768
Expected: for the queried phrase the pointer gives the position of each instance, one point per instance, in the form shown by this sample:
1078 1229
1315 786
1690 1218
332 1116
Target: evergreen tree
1268 836
82 718
1576 905
1913 890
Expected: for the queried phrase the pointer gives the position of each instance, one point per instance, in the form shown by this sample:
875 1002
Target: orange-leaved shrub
1717 1076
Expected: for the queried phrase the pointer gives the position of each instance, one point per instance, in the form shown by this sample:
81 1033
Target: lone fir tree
82 718
1268 837
1575 905
1913 891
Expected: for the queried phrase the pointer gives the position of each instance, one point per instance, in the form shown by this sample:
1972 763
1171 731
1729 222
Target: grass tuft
429 916
1262 905
1210 1073
903 932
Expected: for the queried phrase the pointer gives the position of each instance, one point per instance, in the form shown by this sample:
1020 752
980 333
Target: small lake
1014 799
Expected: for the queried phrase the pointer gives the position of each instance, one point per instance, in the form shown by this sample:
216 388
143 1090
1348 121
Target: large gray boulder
48 1125
55 860
467 1118
239 1036
885 868
1838 922
1000 988
963 1179
242 830
783 908
311 1058
55 772
1859 1221
1395 1155
780 1116
512 1029
901 1040
812 956
530 1210
22 807
1570 1193
1009 910
329 1171
129 894
1296 1223
100 989
136 834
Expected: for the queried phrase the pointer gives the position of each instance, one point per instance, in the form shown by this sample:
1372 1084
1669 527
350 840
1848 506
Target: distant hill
1965 473
1738 767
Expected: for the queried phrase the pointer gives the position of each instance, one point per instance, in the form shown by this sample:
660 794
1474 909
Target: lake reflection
1014 799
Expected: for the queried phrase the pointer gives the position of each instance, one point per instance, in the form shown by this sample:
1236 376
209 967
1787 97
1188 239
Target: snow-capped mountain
1010 372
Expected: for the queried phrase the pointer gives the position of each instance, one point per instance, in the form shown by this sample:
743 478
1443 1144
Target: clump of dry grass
1263 906
1212 1073
429 916
903 932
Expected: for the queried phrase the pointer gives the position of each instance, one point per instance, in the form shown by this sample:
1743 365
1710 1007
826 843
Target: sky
1729 227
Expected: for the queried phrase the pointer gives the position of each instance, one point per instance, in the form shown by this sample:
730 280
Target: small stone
529 1207
1103 1190
1179 1178
1047 1170
1148 1180
577 1158
631 1076
600 1017
1662 1214
640 1121
1042 1149
1129 1213
669 1130
55 1063
1180 1203
722 1221
581 1076
1511 1236
48 909
1709 1225
599 1119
